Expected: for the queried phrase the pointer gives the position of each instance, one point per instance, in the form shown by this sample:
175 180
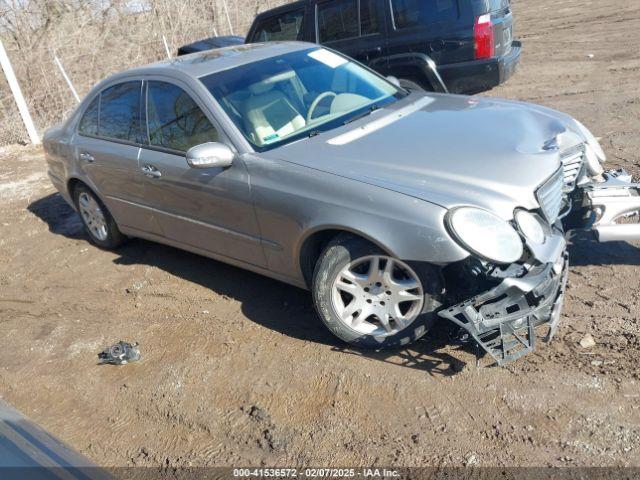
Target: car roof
200 64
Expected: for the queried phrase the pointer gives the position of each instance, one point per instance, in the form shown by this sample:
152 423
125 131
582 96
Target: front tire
97 219
369 299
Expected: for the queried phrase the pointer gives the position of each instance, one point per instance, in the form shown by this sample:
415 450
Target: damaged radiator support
503 320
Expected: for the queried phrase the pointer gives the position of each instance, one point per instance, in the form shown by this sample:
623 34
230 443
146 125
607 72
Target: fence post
226 10
17 95
66 77
166 47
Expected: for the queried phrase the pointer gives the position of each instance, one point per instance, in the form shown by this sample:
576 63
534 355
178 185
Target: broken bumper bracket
503 321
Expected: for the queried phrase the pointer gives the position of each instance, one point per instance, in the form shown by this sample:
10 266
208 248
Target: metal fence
94 42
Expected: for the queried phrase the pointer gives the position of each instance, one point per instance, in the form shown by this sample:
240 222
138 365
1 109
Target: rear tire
97 220
373 296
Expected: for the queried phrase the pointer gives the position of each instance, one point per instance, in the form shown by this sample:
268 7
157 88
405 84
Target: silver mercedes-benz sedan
395 208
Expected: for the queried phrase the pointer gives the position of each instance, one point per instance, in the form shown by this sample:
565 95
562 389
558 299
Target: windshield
284 98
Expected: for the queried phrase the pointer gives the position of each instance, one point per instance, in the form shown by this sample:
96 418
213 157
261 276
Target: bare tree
95 38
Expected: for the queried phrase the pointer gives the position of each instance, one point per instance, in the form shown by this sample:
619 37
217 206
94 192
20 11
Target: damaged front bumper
613 208
503 321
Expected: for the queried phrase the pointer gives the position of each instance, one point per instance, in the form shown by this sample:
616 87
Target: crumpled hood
446 149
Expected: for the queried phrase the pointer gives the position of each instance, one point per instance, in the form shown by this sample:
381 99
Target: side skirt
132 232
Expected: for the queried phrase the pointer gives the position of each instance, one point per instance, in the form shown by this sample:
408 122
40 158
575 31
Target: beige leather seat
269 115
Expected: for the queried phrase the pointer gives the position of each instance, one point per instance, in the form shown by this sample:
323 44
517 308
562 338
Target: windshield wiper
366 113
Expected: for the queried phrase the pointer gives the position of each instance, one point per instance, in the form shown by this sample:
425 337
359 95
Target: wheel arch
416 64
74 182
314 242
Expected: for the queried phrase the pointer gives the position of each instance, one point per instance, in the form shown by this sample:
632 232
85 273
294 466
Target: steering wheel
316 102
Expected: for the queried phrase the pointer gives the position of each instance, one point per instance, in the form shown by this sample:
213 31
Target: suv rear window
285 27
481 7
412 13
338 20
369 10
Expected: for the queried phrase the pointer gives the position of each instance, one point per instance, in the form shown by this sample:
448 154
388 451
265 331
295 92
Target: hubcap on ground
377 295
93 216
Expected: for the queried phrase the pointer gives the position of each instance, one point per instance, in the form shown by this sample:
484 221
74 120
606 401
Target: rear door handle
87 157
151 172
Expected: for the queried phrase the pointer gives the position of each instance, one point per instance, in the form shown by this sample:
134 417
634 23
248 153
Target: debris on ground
120 354
587 341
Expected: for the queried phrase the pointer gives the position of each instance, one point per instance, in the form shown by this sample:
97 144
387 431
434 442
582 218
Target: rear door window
89 122
286 27
413 13
174 120
338 20
120 112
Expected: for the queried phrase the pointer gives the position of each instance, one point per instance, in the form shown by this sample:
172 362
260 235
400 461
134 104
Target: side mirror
210 155
394 80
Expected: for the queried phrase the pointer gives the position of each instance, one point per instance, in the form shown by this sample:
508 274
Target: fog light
530 226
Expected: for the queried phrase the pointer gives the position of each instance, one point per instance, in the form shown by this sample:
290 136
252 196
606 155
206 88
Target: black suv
465 44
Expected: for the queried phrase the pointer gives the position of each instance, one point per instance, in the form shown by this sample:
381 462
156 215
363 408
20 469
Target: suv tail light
484 40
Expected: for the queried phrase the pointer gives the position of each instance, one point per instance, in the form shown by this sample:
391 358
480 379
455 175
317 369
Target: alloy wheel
93 216
377 295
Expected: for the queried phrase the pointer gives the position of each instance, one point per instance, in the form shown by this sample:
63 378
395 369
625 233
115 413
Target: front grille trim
550 196
573 161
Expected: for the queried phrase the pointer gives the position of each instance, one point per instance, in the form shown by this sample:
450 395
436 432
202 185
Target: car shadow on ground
281 307
288 310
585 250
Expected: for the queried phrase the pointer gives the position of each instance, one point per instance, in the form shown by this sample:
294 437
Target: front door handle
87 157
151 172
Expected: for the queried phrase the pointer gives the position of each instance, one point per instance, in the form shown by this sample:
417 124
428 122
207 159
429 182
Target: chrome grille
550 196
572 162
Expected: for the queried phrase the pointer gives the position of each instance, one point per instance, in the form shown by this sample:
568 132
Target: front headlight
485 234
530 226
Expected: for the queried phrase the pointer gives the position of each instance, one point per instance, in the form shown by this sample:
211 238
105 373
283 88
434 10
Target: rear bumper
503 320
59 184
481 75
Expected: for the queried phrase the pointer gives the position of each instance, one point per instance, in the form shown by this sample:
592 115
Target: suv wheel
411 85
368 298
97 220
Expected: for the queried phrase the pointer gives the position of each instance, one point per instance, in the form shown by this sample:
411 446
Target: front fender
294 202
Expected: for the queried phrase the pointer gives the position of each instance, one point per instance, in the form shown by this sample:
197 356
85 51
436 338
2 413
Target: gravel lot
236 368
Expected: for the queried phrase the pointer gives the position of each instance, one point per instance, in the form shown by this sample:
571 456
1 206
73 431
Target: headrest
261 88
267 84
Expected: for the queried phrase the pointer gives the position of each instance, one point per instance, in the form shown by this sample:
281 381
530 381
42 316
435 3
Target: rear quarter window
89 122
413 13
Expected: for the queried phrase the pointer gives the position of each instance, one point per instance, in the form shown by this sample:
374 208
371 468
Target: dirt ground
236 368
